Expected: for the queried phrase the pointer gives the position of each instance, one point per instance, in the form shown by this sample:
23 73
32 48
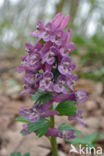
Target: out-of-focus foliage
18 18
19 154
92 54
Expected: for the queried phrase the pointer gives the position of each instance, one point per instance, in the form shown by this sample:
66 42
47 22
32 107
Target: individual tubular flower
33 115
66 46
81 96
58 37
48 33
46 83
60 85
32 57
31 82
66 134
65 66
63 51
62 97
30 114
25 129
31 62
77 117
45 106
71 80
29 47
49 57
39 29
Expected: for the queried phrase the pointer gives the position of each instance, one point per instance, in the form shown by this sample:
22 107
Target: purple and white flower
33 115
46 83
71 80
64 66
59 86
25 129
77 117
81 96
66 134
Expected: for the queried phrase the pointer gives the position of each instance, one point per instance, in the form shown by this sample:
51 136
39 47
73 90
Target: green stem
53 139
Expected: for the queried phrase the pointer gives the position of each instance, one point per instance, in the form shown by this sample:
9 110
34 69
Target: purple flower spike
81 96
52 53
47 67
77 117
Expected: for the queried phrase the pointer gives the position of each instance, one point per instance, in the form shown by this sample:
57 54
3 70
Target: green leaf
15 154
19 154
37 125
55 73
36 96
26 154
21 119
66 108
86 140
64 126
45 97
42 41
41 127
42 130
42 97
